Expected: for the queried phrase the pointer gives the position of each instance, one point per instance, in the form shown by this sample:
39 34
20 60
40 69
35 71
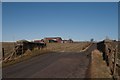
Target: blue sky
60 0
79 21
0 22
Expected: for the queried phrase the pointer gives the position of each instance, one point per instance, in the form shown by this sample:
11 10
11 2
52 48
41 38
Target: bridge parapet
109 51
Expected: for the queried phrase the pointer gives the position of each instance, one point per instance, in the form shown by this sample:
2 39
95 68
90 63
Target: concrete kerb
86 48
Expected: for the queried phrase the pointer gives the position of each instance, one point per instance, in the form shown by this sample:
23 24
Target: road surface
52 65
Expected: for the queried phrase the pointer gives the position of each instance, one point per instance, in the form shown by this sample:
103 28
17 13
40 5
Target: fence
20 49
110 52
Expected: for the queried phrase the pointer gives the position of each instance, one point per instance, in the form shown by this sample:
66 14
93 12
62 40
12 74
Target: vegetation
51 47
67 47
119 50
98 67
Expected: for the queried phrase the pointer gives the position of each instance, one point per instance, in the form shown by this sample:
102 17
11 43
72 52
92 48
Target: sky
119 21
0 23
79 21
60 0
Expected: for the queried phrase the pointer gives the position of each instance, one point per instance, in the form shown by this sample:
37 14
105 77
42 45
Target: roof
52 37
21 41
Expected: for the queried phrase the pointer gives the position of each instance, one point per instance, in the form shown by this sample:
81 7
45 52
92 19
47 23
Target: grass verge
99 69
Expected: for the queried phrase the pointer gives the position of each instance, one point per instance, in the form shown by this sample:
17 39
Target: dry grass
118 50
8 47
70 47
99 69
67 47
51 47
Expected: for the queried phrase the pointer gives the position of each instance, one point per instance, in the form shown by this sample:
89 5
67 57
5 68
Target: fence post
15 52
3 53
115 61
22 48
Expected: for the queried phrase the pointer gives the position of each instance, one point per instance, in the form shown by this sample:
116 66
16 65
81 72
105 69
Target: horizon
62 39
79 21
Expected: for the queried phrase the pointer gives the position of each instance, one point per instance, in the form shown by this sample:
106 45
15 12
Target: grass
118 50
67 47
51 47
99 69
8 47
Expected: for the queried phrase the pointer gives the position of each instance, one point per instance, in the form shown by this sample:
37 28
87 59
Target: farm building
53 39
39 41
67 41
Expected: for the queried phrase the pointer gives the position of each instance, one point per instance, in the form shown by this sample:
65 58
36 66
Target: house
53 39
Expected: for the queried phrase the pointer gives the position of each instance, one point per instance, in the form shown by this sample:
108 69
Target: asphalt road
52 65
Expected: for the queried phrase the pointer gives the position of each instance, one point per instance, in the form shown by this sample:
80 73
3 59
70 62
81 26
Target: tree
92 40
70 40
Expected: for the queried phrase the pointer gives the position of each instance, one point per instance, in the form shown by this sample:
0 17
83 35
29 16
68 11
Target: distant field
67 47
8 46
51 47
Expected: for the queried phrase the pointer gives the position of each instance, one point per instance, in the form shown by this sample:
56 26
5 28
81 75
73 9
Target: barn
39 41
53 39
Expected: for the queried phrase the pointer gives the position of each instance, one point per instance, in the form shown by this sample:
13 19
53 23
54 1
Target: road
52 65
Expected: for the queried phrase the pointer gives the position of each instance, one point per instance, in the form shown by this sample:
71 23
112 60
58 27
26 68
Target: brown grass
67 47
8 47
51 47
118 50
99 69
